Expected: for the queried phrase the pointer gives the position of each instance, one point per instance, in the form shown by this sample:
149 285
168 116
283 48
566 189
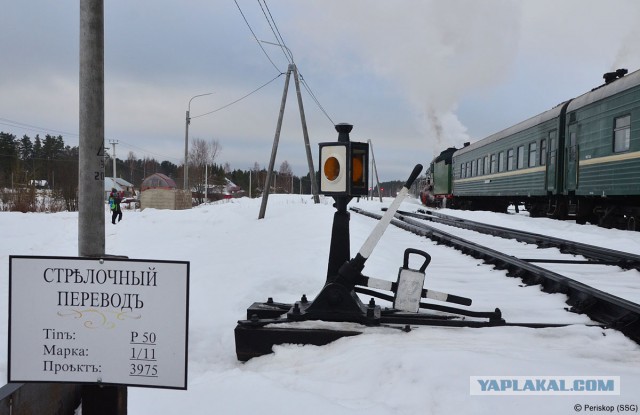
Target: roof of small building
158 181
118 183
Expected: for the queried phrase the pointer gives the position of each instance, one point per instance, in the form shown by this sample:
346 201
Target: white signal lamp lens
333 161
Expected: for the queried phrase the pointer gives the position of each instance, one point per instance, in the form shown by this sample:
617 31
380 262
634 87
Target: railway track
603 307
595 254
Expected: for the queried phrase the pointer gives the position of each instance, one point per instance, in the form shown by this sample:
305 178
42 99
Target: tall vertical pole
91 149
274 149
114 142
186 152
96 400
375 170
305 133
186 143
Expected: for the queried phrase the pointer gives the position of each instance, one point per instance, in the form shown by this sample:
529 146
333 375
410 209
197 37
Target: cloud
433 51
413 76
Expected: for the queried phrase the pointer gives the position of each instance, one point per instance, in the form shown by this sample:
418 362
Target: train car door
551 162
572 156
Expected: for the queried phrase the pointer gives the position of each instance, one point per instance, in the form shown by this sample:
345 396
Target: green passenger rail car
579 160
512 166
602 171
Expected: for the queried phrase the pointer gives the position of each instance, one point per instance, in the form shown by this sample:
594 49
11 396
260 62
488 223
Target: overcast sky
412 76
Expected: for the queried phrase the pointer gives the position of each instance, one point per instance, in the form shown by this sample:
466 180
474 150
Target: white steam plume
436 51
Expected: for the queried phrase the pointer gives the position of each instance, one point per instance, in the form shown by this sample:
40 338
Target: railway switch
344 175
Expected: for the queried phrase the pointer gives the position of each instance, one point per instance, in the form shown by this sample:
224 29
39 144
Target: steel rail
614 312
597 254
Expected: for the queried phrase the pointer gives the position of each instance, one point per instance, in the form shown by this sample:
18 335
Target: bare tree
131 161
285 177
202 154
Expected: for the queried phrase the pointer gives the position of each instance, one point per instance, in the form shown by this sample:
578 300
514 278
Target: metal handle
408 251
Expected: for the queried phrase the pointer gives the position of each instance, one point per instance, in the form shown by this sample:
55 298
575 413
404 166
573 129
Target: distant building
121 185
226 191
39 184
159 191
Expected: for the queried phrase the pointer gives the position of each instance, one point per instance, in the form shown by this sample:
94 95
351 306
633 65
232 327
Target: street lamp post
186 142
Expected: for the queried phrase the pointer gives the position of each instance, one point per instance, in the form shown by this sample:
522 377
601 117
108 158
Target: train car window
493 163
552 147
473 168
480 167
510 159
520 157
533 154
622 134
462 171
572 146
501 161
468 173
543 151
486 165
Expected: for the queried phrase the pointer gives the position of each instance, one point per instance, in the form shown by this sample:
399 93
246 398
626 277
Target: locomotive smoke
436 124
435 51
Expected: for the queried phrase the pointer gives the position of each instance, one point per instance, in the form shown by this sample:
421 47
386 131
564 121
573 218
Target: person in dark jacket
114 204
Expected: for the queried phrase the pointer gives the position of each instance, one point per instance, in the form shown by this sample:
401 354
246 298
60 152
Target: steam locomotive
579 160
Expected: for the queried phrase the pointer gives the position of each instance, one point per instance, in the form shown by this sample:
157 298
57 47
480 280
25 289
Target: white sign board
110 321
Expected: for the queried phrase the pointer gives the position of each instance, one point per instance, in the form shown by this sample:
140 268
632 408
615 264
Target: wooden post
305 133
274 149
104 400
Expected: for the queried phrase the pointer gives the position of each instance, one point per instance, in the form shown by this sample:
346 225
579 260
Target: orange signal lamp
344 168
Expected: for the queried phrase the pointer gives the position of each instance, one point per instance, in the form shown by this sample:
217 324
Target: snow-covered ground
237 259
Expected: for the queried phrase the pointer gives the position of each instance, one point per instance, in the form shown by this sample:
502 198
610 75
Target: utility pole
265 193
96 399
375 170
303 119
91 150
274 148
113 143
186 142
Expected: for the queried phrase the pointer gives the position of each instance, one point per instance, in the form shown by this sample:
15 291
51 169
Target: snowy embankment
237 259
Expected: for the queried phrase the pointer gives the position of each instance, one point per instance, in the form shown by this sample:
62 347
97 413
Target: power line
255 37
237 100
276 32
283 46
126 144
17 124
306 86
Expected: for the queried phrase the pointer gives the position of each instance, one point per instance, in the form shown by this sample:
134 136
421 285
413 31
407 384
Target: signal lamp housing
344 168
